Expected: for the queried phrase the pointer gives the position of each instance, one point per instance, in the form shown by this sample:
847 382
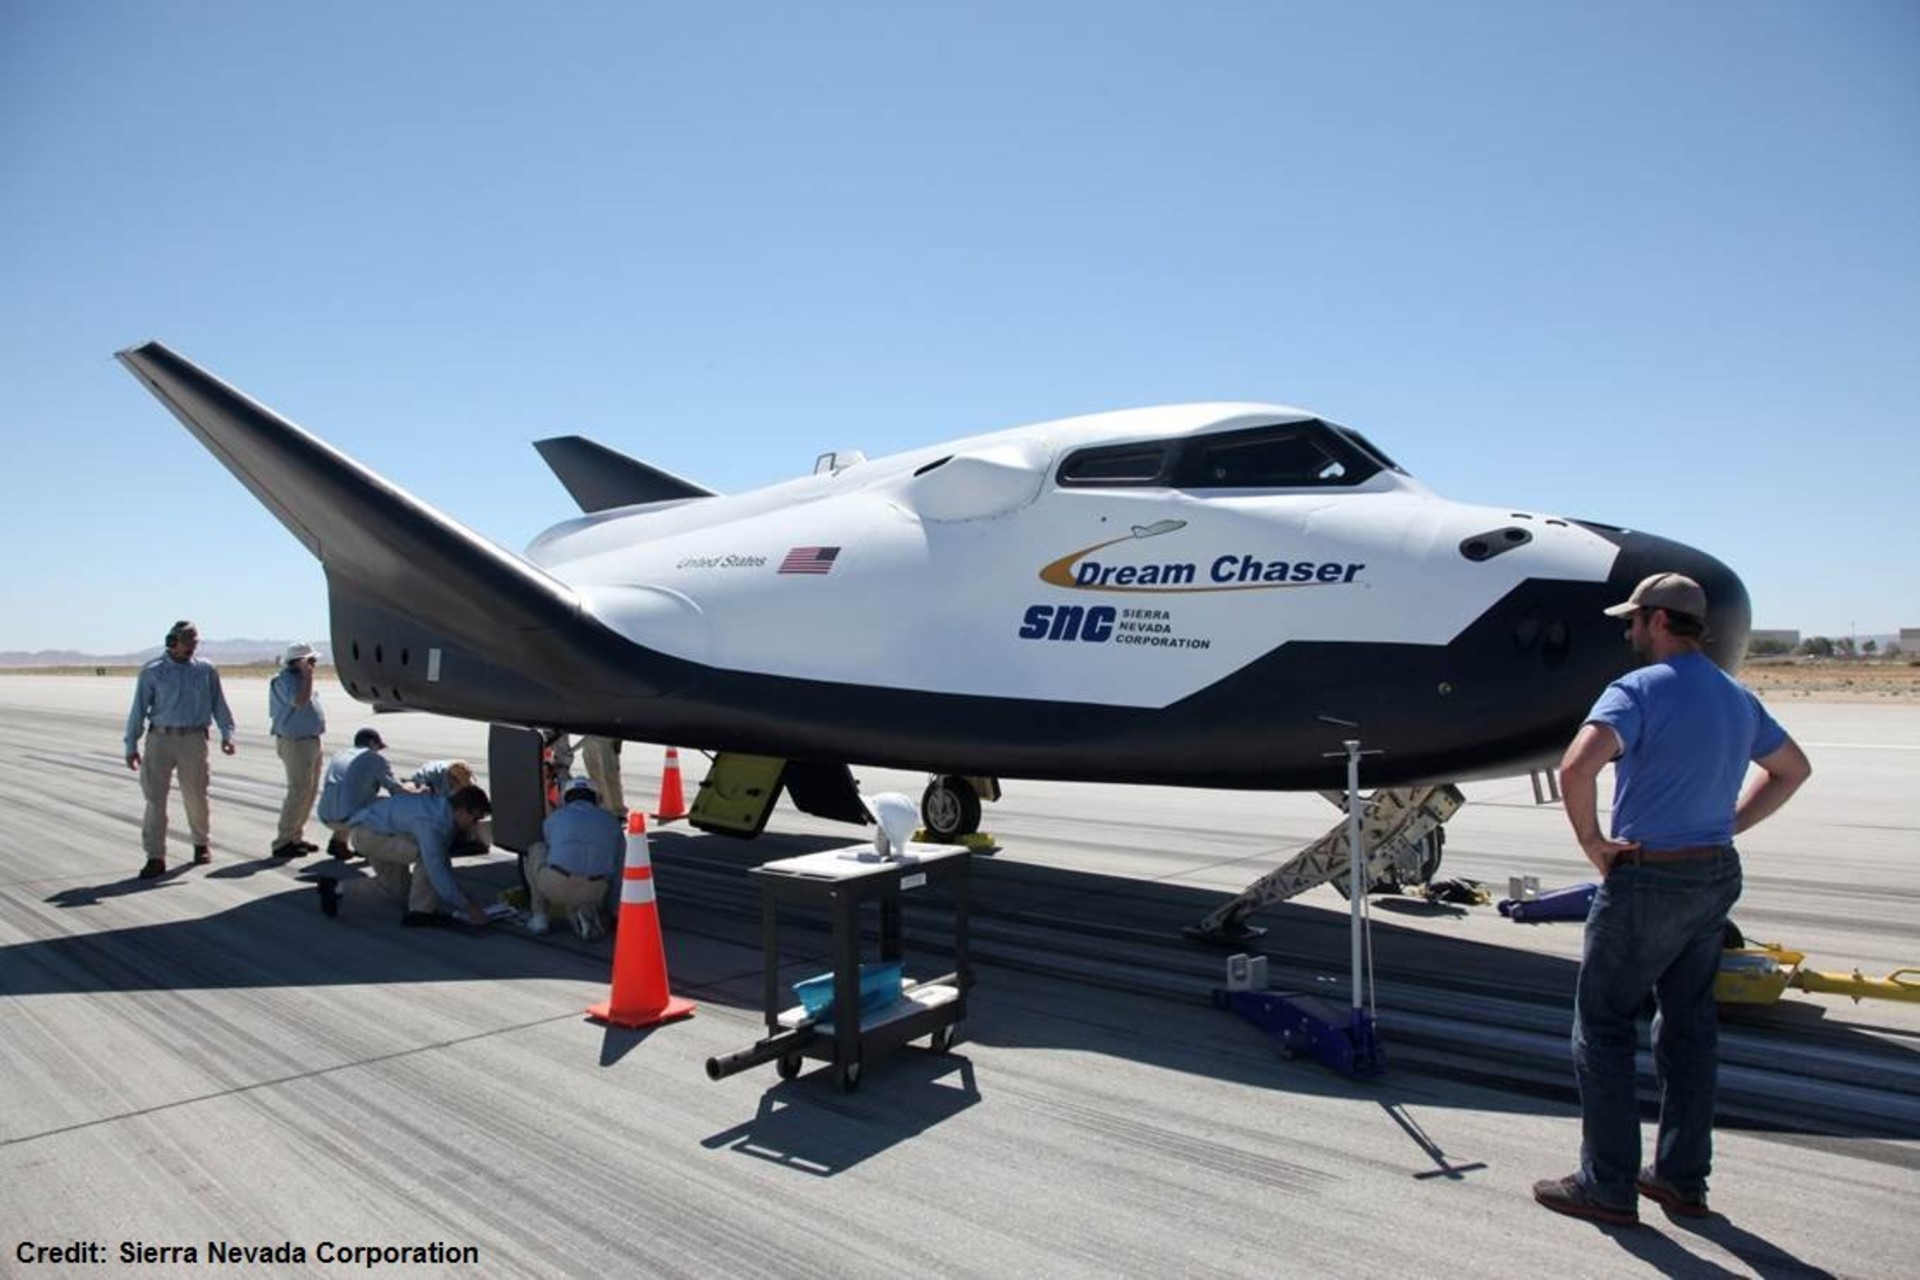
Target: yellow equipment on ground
1758 975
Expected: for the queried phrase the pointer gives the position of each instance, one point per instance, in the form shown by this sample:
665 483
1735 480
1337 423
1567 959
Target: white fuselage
986 576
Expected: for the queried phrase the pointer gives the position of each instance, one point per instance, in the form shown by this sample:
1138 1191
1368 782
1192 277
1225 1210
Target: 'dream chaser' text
1225 571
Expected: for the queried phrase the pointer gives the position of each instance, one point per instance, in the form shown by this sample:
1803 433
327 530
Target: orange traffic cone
639 997
673 797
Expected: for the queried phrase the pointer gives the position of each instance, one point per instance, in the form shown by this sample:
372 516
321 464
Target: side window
1291 457
1114 465
1283 462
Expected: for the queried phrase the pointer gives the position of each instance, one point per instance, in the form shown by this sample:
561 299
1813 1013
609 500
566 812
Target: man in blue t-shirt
1680 733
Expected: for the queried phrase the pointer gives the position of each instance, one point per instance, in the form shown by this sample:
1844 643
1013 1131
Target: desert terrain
1830 680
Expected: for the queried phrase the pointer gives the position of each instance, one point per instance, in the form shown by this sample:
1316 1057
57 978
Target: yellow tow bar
1758 975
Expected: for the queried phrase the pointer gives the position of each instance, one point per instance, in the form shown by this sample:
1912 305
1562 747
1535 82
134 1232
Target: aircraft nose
1729 612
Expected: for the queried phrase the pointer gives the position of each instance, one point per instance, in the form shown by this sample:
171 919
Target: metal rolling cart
841 881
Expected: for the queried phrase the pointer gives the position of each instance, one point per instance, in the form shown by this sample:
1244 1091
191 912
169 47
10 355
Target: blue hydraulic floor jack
1346 1040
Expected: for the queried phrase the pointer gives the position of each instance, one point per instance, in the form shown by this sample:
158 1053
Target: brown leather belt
1636 856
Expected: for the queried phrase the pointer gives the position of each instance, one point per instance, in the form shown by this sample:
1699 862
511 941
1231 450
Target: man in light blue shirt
174 698
354 776
407 838
1681 734
573 862
295 717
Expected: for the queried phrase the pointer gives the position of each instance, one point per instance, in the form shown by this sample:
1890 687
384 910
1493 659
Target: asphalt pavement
205 1064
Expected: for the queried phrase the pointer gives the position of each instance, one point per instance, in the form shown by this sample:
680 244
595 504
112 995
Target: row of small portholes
379 658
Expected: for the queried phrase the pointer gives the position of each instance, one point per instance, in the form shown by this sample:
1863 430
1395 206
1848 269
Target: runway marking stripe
1864 746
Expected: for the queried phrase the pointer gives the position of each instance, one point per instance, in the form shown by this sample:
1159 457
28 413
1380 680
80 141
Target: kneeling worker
406 838
571 866
354 776
443 778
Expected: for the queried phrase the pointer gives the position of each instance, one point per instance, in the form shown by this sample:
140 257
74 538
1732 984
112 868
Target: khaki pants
397 869
550 887
167 753
301 759
602 759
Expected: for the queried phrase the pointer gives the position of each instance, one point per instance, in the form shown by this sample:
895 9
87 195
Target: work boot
307 846
338 848
289 850
202 855
1686 1204
1570 1196
155 868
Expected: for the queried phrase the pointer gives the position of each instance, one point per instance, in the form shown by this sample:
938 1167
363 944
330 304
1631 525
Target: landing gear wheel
847 1076
788 1065
949 809
942 1040
1431 850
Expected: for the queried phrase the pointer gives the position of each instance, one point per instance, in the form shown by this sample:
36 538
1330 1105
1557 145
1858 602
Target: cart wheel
788 1065
942 1040
847 1074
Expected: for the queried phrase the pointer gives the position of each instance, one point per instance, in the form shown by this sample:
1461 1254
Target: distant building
1786 641
1910 641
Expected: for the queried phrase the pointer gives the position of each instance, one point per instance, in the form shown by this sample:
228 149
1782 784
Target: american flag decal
809 560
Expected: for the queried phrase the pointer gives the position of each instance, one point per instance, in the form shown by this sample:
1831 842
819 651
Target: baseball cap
580 785
1674 591
297 650
369 738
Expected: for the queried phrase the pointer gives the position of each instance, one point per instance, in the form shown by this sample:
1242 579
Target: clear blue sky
1656 264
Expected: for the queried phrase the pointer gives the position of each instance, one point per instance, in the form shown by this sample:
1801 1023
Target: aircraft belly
1479 706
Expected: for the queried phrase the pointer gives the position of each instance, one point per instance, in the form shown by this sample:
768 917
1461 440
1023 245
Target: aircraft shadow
1108 997
1126 936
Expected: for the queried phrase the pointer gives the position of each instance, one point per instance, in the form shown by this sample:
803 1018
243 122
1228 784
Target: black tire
847 1075
788 1065
949 809
1731 939
1432 849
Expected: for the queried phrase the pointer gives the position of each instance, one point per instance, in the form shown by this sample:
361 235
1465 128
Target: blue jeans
1653 928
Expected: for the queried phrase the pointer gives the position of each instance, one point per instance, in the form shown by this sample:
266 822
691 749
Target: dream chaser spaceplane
1206 595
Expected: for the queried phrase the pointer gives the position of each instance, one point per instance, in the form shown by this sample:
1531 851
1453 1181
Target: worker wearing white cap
297 722
570 867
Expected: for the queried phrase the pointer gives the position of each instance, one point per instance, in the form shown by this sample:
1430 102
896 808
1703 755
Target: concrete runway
206 1058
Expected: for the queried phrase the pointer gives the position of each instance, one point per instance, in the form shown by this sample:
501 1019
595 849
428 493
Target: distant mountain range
222 653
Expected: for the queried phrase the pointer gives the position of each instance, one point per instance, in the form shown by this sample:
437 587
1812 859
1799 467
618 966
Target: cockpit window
1295 455
1287 455
1367 446
1116 465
